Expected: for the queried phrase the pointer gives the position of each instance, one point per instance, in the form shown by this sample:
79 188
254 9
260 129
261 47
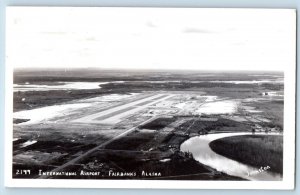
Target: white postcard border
288 160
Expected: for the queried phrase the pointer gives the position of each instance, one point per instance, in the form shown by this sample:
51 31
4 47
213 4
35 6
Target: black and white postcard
111 97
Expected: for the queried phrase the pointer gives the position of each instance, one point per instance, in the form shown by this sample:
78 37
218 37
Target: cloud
54 33
90 39
151 24
231 29
197 30
239 43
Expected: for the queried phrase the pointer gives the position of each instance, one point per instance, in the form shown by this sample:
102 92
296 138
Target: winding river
199 147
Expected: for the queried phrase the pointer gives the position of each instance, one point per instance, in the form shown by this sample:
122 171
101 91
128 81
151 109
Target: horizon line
140 69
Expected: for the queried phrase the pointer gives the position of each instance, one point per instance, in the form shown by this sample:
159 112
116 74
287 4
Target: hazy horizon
138 70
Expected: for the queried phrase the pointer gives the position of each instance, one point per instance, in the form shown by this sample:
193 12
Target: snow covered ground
218 107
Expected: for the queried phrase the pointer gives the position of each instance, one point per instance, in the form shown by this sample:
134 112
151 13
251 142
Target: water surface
199 147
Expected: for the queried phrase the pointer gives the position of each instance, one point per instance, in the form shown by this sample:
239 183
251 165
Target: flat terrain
115 114
132 124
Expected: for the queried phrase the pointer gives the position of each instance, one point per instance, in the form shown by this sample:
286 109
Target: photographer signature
260 170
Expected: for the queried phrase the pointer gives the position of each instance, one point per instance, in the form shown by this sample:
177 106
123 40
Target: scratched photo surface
148 94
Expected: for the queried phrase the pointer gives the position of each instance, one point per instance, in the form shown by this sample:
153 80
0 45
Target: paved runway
116 114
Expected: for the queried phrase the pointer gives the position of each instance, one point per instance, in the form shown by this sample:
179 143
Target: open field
136 81
133 123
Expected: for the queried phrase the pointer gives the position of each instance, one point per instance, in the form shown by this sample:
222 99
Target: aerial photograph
153 125
148 94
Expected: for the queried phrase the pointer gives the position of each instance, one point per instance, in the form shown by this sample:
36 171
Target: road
75 160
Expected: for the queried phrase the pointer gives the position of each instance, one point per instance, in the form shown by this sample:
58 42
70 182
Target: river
199 147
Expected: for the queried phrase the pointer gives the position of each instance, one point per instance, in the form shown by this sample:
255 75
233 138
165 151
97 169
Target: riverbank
202 152
255 150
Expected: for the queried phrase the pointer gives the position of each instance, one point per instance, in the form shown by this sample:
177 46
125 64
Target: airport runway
117 114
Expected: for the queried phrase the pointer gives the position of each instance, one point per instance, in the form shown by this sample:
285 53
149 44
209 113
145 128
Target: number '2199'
22 172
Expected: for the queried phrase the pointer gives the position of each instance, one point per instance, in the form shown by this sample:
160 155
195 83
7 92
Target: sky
150 38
